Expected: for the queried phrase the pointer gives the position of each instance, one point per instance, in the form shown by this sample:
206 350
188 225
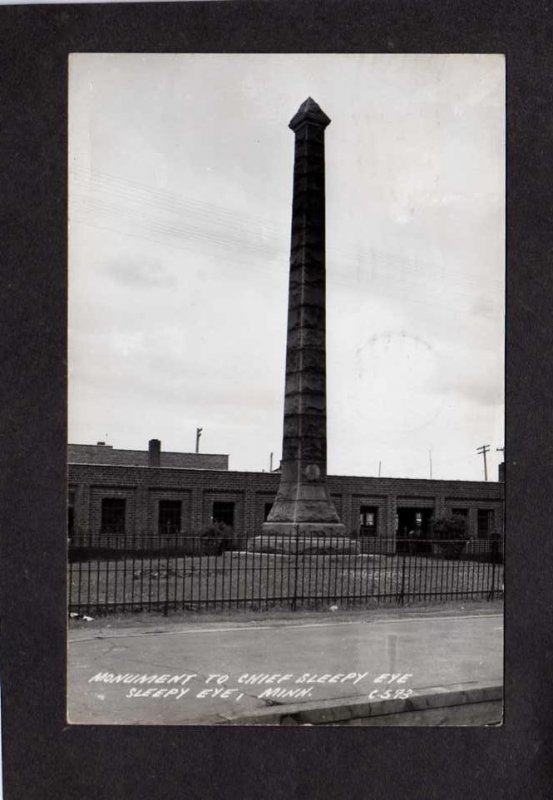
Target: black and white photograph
286 448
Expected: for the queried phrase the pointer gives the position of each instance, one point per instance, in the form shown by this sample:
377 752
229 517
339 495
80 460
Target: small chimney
501 471
100 444
154 453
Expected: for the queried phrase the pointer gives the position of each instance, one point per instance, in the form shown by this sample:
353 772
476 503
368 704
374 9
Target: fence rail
117 573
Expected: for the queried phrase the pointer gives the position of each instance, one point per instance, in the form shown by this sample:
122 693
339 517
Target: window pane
367 520
169 518
113 515
223 512
485 522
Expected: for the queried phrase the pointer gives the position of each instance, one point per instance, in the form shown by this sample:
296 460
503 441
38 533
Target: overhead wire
236 226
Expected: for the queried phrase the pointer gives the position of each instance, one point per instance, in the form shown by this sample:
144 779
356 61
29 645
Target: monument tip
310 112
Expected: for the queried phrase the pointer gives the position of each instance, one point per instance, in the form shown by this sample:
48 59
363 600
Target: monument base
303 530
304 538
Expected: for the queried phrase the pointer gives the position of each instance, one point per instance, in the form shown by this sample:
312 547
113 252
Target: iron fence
118 573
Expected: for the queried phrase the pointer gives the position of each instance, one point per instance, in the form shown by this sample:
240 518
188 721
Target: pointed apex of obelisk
309 112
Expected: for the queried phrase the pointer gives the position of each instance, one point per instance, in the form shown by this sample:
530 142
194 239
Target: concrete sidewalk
218 672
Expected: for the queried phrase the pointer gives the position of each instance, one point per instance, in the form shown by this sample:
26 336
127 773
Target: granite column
303 504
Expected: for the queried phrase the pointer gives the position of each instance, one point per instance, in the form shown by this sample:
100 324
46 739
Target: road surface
191 673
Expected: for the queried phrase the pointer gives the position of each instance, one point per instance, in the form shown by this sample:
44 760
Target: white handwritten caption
281 686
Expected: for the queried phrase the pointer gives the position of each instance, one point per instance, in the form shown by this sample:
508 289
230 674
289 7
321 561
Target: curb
328 712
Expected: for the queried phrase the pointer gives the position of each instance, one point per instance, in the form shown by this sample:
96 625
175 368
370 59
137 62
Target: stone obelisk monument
303 510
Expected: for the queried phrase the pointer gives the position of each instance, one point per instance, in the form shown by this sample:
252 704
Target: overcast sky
180 201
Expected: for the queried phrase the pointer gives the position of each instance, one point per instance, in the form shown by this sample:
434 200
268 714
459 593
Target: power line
233 225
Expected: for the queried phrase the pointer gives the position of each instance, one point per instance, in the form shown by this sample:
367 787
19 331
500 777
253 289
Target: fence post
491 592
166 607
294 597
401 594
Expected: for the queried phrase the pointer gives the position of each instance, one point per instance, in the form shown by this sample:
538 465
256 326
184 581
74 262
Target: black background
43 757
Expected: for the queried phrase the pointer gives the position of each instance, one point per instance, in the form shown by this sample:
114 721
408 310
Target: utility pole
430 460
379 466
485 448
198 434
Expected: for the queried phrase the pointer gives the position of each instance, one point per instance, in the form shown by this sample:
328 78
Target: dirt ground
147 619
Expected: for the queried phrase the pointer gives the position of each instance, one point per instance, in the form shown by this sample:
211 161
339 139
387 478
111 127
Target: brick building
150 493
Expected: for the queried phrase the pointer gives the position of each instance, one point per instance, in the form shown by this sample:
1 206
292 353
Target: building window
169 517
113 514
223 512
268 507
368 520
485 523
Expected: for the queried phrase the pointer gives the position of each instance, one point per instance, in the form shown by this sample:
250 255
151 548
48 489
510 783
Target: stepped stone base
303 529
327 544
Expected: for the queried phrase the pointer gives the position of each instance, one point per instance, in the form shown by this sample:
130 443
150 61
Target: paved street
190 672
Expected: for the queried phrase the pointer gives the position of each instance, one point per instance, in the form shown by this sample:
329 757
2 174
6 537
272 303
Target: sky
180 190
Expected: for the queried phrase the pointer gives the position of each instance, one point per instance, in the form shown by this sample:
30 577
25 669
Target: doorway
413 529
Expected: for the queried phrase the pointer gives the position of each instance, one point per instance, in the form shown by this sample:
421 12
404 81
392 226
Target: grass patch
259 581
